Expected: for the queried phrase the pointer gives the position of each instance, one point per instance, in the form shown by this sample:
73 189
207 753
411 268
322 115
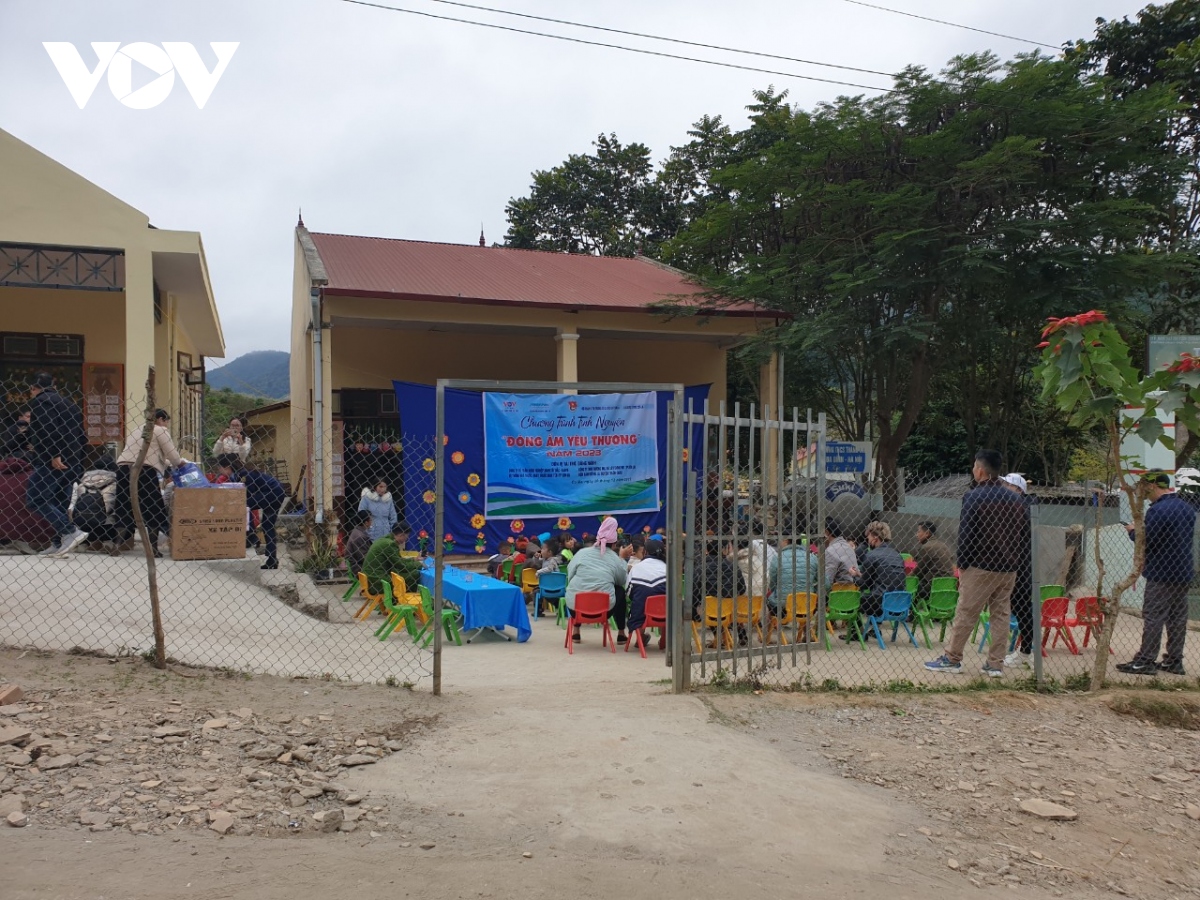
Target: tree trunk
135 474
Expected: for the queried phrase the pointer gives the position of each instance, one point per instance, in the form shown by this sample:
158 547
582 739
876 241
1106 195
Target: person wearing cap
160 452
57 439
1169 569
1021 600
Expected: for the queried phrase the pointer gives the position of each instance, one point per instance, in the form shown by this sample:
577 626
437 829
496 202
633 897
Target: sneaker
1017 659
23 547
1138 668
71 541
1171 668
944 664
51 549
991 672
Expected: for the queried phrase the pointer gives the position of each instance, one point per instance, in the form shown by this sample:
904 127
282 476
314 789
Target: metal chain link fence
807 579
75 573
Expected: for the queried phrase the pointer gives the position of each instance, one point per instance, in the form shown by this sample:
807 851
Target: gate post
680 661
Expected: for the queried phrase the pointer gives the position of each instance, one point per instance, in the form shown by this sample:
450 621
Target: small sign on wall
104 402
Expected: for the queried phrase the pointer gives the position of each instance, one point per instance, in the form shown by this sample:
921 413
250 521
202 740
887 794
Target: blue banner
566 455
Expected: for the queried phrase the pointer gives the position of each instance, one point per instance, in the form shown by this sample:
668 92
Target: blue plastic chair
896 608
552 586
1014 631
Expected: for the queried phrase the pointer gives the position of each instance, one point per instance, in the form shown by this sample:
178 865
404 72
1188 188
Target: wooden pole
135 474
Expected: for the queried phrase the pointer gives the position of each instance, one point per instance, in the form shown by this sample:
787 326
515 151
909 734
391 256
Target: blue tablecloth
484 601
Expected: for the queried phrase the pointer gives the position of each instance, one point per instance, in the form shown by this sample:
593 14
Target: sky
380 123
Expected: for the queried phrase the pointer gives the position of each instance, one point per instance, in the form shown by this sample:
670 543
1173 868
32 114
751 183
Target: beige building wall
43 202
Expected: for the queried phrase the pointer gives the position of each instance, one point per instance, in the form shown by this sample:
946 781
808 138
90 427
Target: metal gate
755 484
673 504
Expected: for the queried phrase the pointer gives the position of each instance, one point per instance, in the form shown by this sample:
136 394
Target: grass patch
1165 711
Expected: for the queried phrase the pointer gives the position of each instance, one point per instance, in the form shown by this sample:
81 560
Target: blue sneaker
944 664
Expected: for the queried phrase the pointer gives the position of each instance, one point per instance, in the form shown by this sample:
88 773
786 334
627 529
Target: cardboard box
209 523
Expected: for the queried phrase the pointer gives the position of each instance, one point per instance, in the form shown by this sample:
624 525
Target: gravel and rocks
100 761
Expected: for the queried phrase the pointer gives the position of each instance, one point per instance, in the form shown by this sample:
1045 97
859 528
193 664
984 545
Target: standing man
1021 601
992 529
57 438
1170 524
932 556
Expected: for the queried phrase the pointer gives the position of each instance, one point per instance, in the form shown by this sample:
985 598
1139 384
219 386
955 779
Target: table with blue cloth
485 602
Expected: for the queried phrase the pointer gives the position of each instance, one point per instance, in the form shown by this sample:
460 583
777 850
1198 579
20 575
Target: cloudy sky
382 123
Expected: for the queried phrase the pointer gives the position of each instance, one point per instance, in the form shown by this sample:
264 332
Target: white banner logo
164 61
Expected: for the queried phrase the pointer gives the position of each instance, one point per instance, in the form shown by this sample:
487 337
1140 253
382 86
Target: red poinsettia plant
1087 372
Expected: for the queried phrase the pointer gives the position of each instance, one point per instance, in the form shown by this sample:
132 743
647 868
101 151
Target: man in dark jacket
16 436
57 437
993 531
1169 569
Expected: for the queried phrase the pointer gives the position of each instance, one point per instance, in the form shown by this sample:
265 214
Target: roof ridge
475 246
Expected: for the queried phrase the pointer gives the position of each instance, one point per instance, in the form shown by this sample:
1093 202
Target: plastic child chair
911 583
939 609
747 613
354 587
1089 615
506 571
1054 619
551 587
398 611
800 611
371 601
402 594
591 608
896 607
529 582
718 615
843 606
1014 632
943 583
449 620
1051 590
656 617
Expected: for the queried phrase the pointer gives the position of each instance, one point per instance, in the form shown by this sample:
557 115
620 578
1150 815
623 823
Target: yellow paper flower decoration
429 465
429 497
477 520
473 480
457 457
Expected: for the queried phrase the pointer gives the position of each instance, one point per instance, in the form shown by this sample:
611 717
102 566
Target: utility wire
901 12
658 37
658 53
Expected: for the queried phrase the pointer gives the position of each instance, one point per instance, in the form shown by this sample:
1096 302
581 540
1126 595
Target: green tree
608 203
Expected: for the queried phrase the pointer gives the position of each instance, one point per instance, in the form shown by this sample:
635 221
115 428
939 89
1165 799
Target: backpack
90 510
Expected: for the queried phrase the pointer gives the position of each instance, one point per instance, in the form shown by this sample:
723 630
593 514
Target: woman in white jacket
757 561
233 440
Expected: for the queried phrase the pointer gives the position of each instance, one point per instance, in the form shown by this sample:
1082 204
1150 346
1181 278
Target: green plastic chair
843 606
911 583
940 608
506 571
943 583
1051 590
397 613
449 620
353 588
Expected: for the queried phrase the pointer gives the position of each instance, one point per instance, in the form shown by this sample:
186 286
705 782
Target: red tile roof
466 273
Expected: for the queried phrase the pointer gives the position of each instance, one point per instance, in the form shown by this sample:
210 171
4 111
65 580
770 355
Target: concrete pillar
769 390
139 335
568 356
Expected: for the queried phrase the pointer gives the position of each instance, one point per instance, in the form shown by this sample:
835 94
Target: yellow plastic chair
747 611
529 583
371 601
796 609
718 615
401 595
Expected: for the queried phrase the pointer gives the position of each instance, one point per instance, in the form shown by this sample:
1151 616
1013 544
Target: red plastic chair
1089 615
656 617
591 608
1054 619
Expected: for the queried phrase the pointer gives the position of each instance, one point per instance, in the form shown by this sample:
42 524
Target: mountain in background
263 373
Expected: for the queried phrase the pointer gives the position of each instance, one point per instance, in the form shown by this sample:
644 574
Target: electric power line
658 37
900 12
658 53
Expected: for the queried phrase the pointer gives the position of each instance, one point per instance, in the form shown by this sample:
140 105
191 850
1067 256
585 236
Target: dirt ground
136 782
